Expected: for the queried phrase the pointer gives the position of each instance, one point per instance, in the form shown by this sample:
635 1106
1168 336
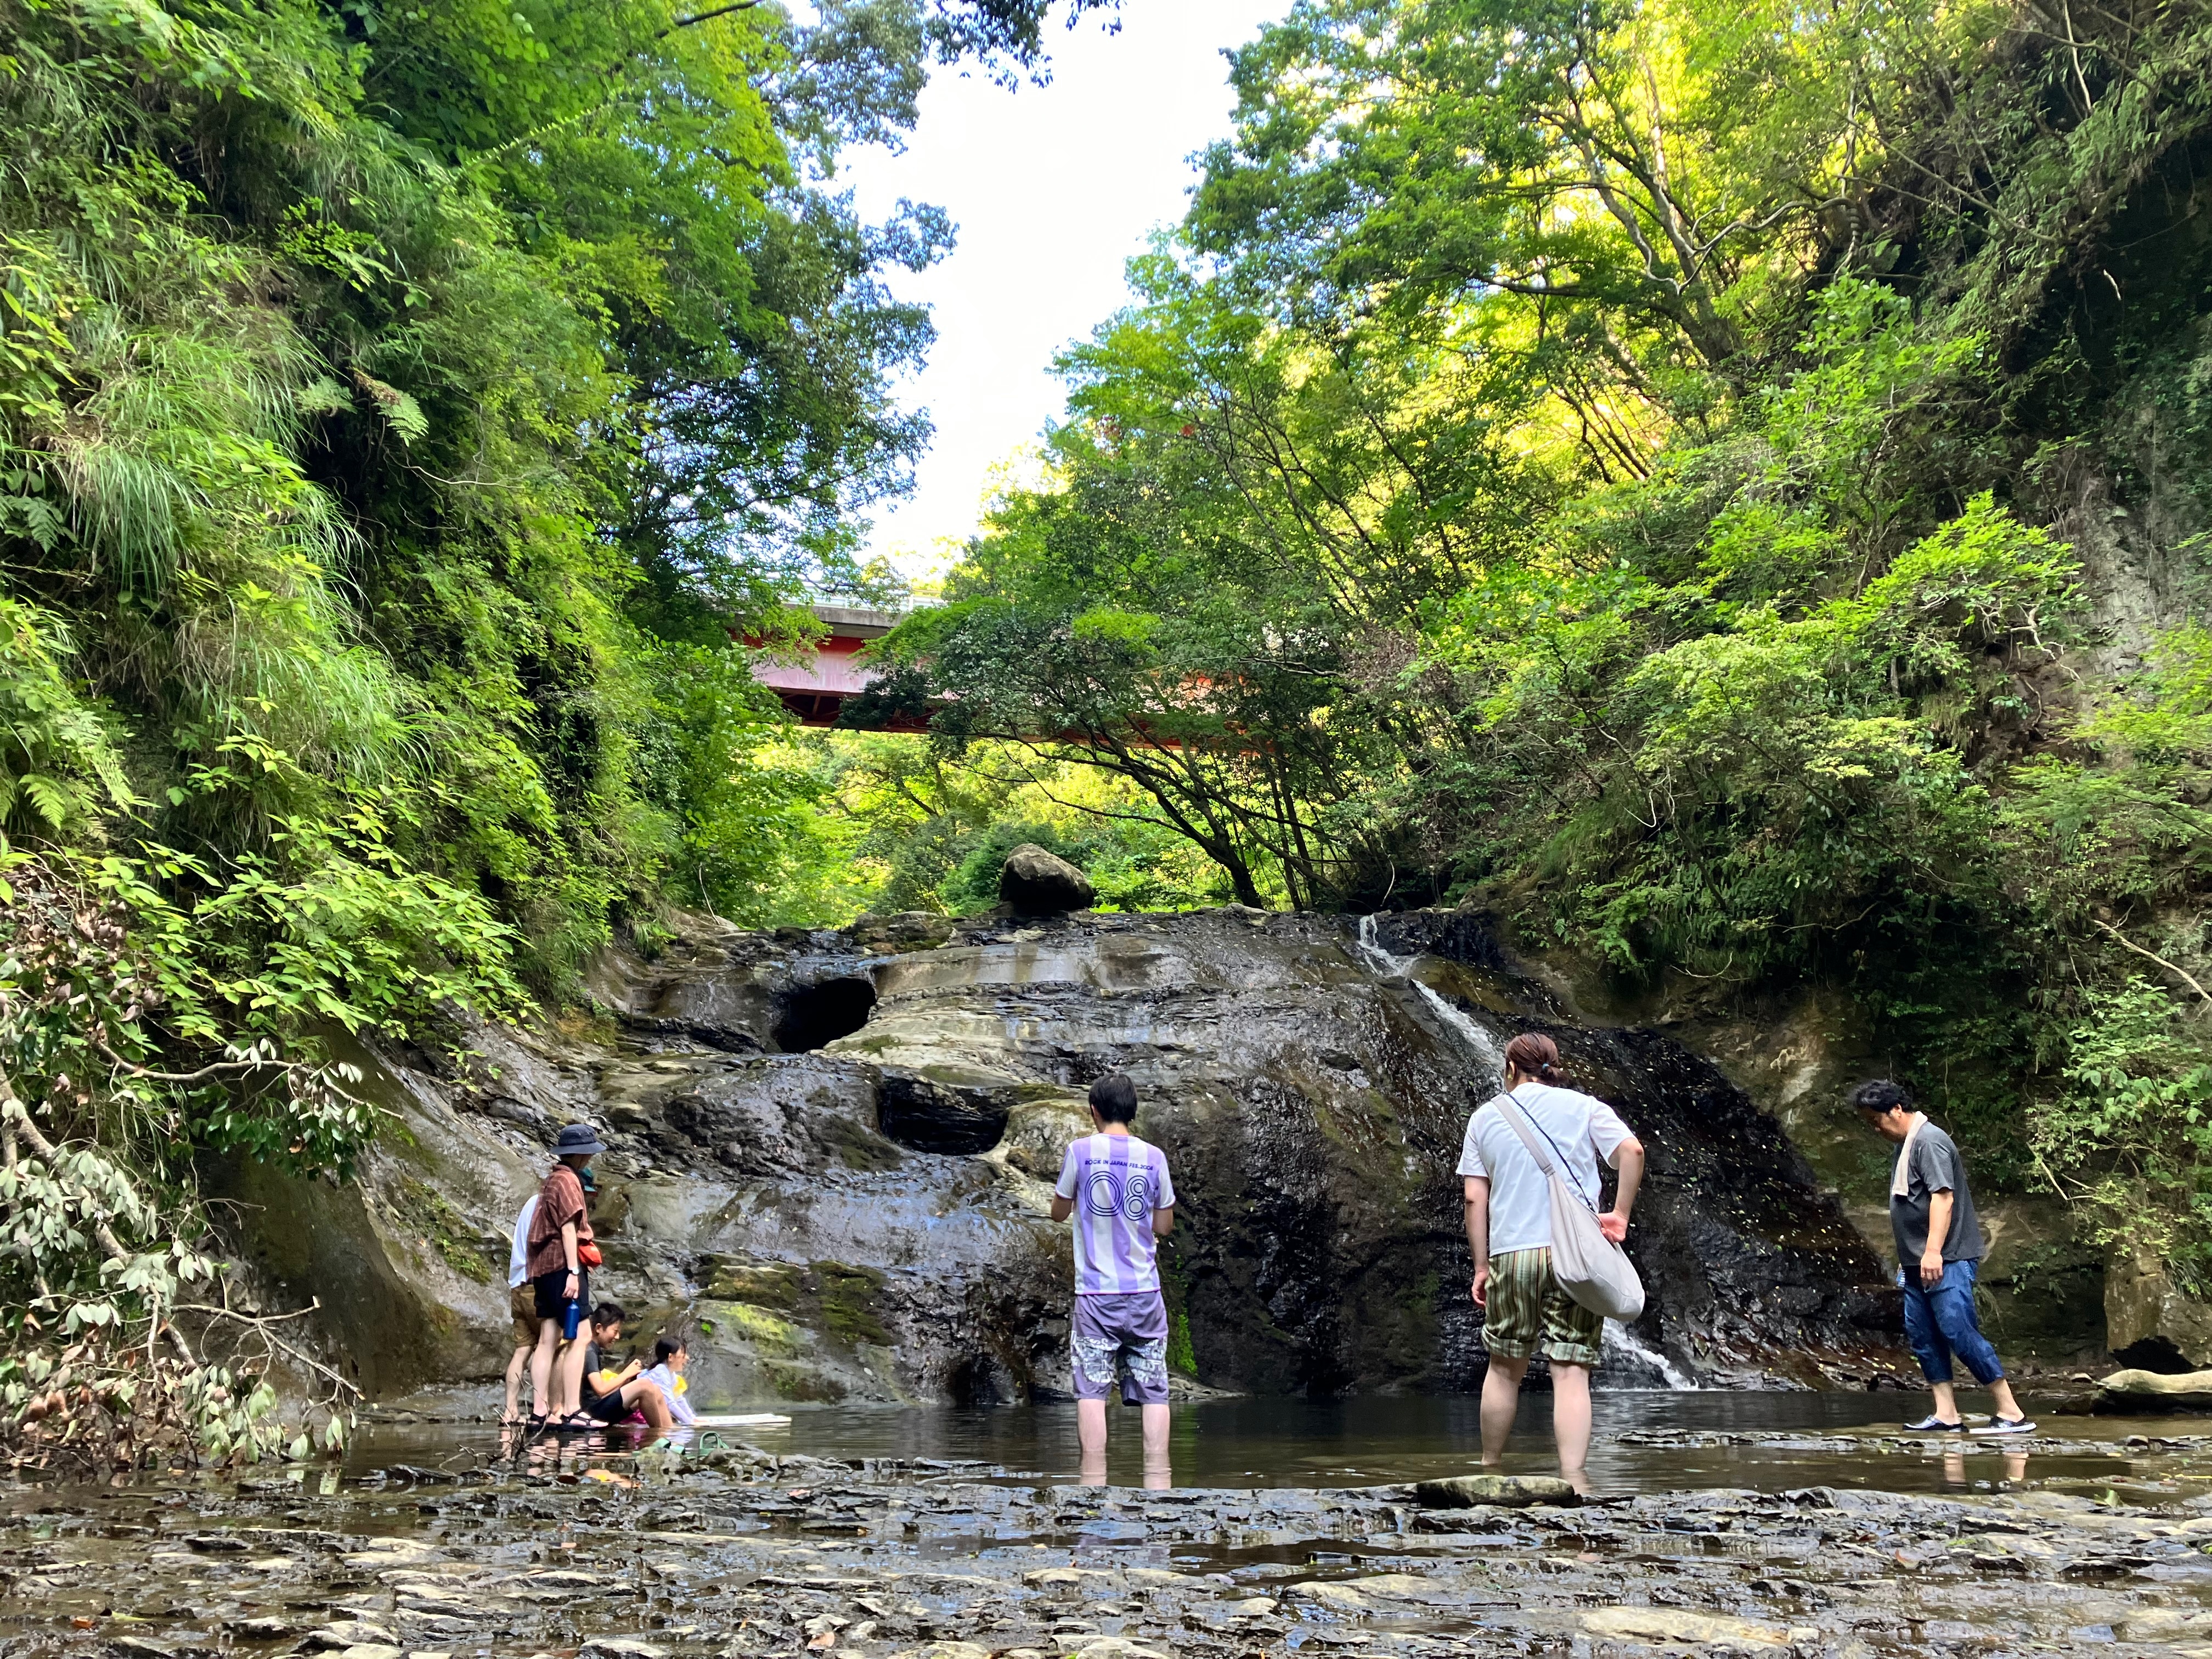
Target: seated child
665 1377
616 1396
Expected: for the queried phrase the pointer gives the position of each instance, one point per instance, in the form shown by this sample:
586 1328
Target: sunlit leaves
2131 1137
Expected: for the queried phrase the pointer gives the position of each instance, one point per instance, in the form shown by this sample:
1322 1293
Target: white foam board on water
745 1420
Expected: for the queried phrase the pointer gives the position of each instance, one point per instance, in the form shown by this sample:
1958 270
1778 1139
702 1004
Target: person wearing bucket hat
561 1257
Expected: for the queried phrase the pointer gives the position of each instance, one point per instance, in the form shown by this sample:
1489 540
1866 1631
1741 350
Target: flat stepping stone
1330 1593
351 1634
1114 1647
1675 1627
1512 1491
1392 1584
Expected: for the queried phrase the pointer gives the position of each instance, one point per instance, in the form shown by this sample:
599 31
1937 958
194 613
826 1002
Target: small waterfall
1370 947
1477 1038
1624 1346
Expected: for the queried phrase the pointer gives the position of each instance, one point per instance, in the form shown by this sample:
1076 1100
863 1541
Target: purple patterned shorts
1128 1333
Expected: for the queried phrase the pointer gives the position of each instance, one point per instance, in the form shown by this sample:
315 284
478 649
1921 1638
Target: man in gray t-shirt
1939 1251
1933 1168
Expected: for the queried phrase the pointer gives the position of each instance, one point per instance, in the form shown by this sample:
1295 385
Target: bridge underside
821 708
816 688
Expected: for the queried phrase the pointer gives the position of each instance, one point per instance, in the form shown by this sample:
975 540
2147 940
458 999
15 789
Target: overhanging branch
705 17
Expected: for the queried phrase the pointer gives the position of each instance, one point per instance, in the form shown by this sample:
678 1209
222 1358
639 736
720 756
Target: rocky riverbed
732 1552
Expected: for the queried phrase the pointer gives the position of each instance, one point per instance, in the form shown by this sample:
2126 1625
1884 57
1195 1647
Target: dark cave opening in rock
807 1016
2154 1354
980 1380
926 1116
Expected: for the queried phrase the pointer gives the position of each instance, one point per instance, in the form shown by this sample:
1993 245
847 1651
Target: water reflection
2013 1472
1644 1442
1268 1442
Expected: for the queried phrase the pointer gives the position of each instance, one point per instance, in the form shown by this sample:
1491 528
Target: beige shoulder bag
1590 1267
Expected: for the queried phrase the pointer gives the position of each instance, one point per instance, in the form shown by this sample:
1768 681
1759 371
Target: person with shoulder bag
561 1255
1548 1268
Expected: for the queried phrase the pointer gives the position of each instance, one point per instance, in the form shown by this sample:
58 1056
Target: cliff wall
831 1152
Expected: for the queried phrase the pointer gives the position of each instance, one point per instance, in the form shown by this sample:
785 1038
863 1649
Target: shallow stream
1644 1442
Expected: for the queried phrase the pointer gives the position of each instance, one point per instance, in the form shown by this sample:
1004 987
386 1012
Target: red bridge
816 688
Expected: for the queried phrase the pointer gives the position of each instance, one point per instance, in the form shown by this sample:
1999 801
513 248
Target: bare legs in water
1091 1434
1571 1414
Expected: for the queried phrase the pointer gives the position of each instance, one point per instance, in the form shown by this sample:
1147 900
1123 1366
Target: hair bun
1534 1055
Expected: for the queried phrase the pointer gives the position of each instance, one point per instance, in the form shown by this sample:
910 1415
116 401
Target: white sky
1052 188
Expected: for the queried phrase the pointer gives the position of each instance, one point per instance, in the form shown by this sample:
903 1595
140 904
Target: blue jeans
1940 1322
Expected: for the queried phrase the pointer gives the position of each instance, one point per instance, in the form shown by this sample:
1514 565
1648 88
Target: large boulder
1035 883
2150 1321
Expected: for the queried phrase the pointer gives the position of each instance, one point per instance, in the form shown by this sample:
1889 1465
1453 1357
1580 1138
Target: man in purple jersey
1117 1189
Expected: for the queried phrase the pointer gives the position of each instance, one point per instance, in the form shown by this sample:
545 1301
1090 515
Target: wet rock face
1753 1272
863 1214
1735 1238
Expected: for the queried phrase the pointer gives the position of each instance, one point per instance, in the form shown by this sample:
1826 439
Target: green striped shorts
1526 1310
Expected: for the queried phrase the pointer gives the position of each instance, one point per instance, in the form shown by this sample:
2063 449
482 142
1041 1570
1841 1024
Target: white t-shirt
518 1257
1115 1182
1582 1131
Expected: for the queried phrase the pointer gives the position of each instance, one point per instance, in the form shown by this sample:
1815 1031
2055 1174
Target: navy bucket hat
577 1138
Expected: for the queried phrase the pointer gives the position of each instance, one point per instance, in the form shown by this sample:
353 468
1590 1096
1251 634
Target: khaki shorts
522 1308
1527 1311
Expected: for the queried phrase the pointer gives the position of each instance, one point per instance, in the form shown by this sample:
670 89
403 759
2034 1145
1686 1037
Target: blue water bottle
572 1318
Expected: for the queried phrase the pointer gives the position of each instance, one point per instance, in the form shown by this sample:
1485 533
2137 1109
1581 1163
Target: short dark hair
1880 1097
1114 1098
608 1313
667 1344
